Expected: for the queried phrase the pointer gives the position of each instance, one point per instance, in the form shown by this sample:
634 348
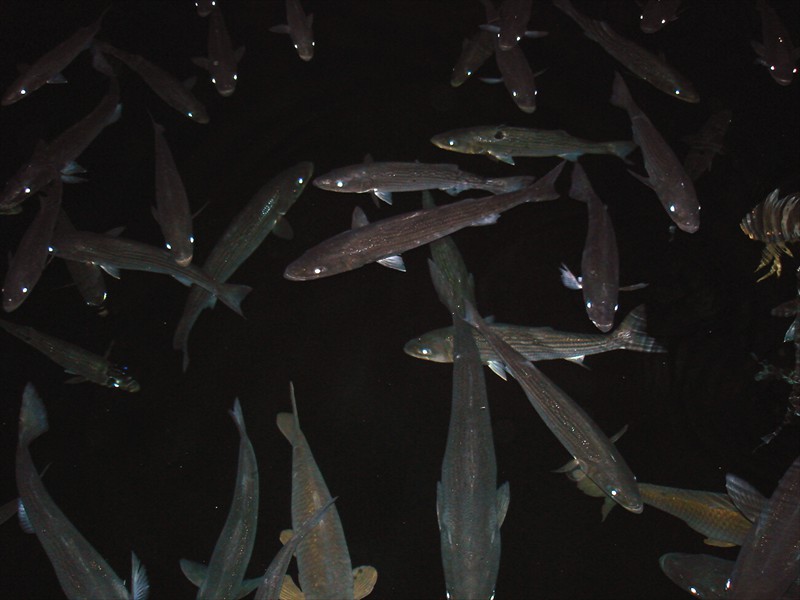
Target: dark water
153 472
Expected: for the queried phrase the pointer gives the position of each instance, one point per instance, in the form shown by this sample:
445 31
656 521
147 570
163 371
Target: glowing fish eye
519 37
295 46
641 17
214 81
514 94
190 115
663 21
451 142
693 590
672 208
614 492
50 249
235 77
24 290
23 92
27 190
191 239
339 183
772 67
469 73
616 307
424 351
313 43
588 304
300 180
168 245
677 92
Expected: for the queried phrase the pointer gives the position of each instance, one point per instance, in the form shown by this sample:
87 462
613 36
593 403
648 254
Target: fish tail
238 417
566 7
511 184
545 189
99 61
632 333
32 416
232 296
289 424
580 189
620 96
621 149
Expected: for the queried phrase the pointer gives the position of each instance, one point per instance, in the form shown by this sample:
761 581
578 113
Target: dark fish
701 575
80 569
776 51
384 240
517 77
639 61
88 277
169 89
704 146
204 7
298 26
512 24
264 213
48 68
667 177
657 13
222 60
476 50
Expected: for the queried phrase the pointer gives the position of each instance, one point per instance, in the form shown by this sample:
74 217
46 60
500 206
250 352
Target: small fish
591 450
383 178
84 365
667 178
512 24
776 51
169 89
657 13
172 206
517 77
80 569
701 575
48 68
222 60
204 7
707 144
88 277
383 241
223 577
639 61
298 26
474 52
776 223
504 143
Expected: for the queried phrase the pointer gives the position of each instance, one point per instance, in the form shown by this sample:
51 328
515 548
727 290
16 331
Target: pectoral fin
282 229
644 180
383 196
498 369
201 61
194 571
364 579
290 591
718 543
393 262
506 158
286 535
248 585
503 498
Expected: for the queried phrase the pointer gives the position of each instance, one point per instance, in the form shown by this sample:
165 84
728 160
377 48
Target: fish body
384 178
85 365
636 59
504 143
385 239
667 177
88 277
172 206
299 28
264 213
223 578
657 13
514 17
474 52
166 86
222 59
517 77
48 68
701 575
776 51
80 569
704 146
114 253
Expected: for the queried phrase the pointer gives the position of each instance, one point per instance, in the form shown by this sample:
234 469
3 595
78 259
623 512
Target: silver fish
476 50
517 77
776 51
222 59
512 24
667 177
384 240
298 26
657 13
80 569
701 575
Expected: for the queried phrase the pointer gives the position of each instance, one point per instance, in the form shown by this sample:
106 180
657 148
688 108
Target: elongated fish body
298 26
114 253
383 178
769 560
166 86
59 155
667 177
776 51
474 52
88 277
504 143
264 213
223 578
85 365
81 571
517 77
25 269
600 259
590 448
172 206
323 561
657 13
636 59
541 343
385 239
707 144
48 68
222 60
701 575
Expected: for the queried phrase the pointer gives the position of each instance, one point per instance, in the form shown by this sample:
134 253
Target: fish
504 143
265 212
702 575
223 577
469 508
166 87
636 59
667 177
205 7
323 561
80 569
517 77
476 50
384 240
657 13
707 144
84 365
776 51
115 253
512 24
383 178
540 343
48 68
59 156
298 26
87 276
172 206
222 59
591 450
775 222
33 251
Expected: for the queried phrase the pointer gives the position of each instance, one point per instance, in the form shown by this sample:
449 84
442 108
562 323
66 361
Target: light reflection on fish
512 23
88 277
776 51
299 28
657 13
222 59
517 77
476 50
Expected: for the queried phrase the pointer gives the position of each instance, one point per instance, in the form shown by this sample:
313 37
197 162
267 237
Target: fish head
305 49
25 184
181 250
436 346
118 378
455 141
783 72
684 211
14 294
624 493
346 179
198 114
225 83
304 269
601 311
15 94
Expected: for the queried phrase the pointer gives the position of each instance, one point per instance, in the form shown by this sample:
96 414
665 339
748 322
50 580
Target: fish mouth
225 92
183 261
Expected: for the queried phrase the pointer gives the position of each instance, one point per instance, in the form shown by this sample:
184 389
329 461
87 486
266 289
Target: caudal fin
545 189
632 333
32 416
620 96
232 295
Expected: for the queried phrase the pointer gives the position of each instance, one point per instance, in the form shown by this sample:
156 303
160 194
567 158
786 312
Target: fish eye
27 190
313 43
191 239
514 94
300 180
451 142
295 46
641 17
50 249
424 351
772 67
168 245
616 307
519 37
339 183
663 21
672 208
23 92
318 270
499 135
588 304
614 491
469 73
24 290
190 115
214 81
235 77
677 92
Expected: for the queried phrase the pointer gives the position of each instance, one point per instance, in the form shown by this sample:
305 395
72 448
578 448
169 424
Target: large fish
265 212
48 68
80 569
636 59
298 26
667 177
323 561
591 450
222 59
84 365
776 51
223 578
383 178
384 240
504 143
